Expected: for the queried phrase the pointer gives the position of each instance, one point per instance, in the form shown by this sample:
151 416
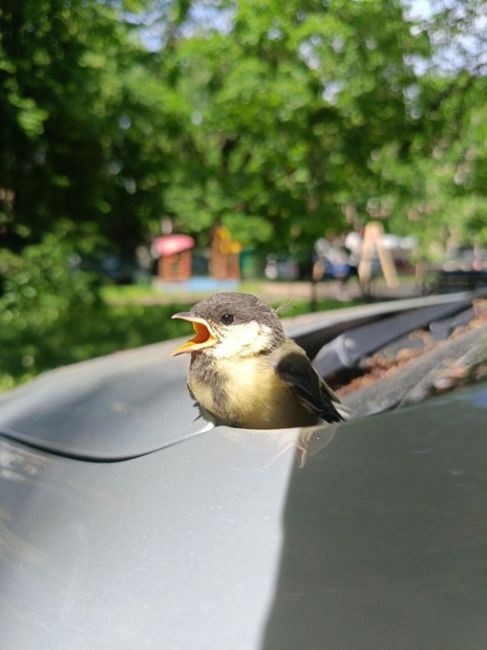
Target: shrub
44 305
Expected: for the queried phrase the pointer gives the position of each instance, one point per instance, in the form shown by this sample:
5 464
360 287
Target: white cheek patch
243 340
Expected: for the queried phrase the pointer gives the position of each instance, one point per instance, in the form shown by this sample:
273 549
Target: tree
438 191
289 104
281 120
84 122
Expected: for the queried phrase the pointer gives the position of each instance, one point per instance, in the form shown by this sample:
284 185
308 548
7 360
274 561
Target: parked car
126 521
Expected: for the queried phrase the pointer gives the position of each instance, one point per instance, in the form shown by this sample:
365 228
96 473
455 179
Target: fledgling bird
245 372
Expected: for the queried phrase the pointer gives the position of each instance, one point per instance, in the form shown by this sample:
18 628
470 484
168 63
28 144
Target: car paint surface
222 541
174 549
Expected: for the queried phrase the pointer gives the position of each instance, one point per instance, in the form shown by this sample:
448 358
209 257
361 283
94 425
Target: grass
148 294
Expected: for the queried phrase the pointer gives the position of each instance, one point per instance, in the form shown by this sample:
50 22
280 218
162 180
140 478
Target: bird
245 372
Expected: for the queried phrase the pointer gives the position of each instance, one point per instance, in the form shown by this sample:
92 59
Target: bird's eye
227 319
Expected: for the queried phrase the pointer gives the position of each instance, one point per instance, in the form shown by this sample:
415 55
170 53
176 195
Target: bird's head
232 325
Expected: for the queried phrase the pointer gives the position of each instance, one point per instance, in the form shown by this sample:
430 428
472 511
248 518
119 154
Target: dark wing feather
296 370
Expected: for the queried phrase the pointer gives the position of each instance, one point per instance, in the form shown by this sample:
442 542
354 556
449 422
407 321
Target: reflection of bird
245 372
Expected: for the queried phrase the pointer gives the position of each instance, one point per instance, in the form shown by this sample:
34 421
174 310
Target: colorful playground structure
174 253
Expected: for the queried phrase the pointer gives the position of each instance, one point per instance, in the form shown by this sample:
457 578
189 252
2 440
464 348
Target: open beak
204 336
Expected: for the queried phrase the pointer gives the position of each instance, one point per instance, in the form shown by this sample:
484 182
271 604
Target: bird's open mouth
204 336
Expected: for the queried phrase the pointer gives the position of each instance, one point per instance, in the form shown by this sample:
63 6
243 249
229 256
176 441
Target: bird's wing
296 370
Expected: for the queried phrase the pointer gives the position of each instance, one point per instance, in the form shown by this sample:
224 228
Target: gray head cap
243 307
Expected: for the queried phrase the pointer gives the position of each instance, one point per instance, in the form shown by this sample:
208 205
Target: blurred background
316 152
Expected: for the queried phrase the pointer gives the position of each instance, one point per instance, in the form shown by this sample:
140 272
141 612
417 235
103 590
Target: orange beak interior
203 339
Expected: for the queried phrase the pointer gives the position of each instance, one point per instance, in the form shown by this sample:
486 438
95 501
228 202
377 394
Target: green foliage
281 120
84 121
287 108
439 190
43 301
51 315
